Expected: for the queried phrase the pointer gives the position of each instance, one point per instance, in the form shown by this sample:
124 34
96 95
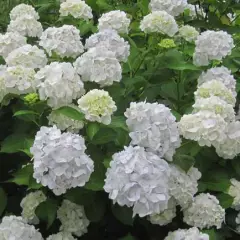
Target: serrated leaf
3 201
118 122
24 112
185 162
104 135
123 214
71 113
23 175
92 129
225 200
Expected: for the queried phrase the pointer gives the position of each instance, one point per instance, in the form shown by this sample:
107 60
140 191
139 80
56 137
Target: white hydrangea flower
187 234
173 7
73 218
29 205
216 105
205 127
16 228
221 74
212 45
116 20
230 147
3 89
112 41
159 21
19 80
195 11
97 106
99 65
61 236
60 162
65 123
26 25
189 33
166 216
234 191
183 186
27 56
9 42
205 212
215 88
65 41
153 126
59 84
141 182
23 9
76 8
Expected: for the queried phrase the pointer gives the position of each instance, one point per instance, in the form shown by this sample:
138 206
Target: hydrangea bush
120 120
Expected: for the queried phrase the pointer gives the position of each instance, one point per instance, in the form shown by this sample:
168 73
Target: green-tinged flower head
167 43
31 98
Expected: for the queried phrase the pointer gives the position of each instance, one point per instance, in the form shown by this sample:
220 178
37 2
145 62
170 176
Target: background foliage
151 73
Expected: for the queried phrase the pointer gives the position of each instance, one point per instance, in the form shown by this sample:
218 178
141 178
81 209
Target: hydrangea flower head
161 22
142 181
189 33
167 43
61 236
31 99
97 106
234 191
23 9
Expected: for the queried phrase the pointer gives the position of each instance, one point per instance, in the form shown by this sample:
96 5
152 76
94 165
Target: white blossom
183 186
173 7
230 147
141 182
234 191
112 41
29 205
72 218
65 123
3 89
166 216
65 41
27 56
99 65
116 20
59 84
215 88
205 212
23 9
16 228
189 33
159 21
97 106
212 45
9 42
153 126
216 105
76 8
221 74
205 127
61 236
60 162
26 25
187 234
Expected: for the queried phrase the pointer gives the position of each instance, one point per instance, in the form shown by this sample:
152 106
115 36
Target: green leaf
143 5
3 201
16 143
24 112
185 162
23 175
104 135
225 200
46 211
122 138
123 214
128 237
106 162
212 234
118 122
92 129
103 5
71 113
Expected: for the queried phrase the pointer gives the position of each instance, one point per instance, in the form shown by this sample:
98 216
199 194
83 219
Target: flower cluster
205 212
76 8
160 22
60 161
154 127
16 228
173 7
65 41
189 33
59 84
142 181
29 205
61 236
187 234
234 191
212 45
72 218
